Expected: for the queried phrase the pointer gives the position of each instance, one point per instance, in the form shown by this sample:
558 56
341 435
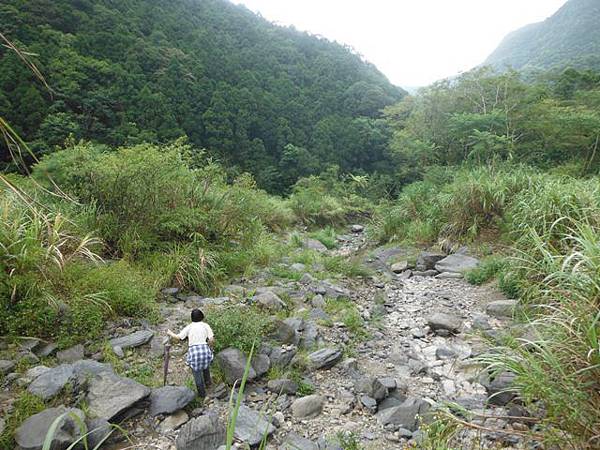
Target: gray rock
331 290
500 390
428 260
283 386
369 403
457 263
284 332
204 432
481 322
357 228
404 415
310 336
233 363
324 358
110 396
170 291
29 357
51 382
298 267
443 321
6 366
449 276
445 353
2 425
261 364
157 347
389 382
46 350
294 441
318 301
72 354
132 340
372 387
308 407
319 314
168 399
99 431
399 267
35 372
32 433
251 426
282 357
501 308
30 344
269 300
390 402
313 244
425 273
173 422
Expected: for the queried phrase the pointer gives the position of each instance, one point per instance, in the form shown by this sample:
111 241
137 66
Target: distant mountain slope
128 71
571 37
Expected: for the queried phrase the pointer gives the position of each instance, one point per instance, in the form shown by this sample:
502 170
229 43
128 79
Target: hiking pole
167 354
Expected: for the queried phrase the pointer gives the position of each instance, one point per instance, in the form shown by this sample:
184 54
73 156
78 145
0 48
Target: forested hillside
270 100
570 38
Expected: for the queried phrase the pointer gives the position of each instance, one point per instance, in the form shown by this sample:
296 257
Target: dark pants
202 380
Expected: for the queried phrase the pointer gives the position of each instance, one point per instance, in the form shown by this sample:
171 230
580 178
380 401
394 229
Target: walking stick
167 354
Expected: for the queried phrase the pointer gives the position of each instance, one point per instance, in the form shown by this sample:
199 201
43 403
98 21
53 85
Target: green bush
238 326
326 236
487 270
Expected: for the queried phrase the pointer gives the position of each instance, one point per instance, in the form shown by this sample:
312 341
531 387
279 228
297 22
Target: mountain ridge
568 38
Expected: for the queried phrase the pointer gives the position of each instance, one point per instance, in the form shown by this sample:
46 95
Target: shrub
487 270
326 236
238 326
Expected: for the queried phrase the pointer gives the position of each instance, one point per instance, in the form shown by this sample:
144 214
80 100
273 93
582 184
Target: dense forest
570 37
270 100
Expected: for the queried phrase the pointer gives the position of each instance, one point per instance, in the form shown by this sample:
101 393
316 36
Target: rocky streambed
315 383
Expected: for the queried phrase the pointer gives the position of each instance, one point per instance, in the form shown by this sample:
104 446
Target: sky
413 42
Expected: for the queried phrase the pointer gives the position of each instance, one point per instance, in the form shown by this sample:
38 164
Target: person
200 344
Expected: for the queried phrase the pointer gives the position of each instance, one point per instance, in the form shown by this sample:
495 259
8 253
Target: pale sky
413 42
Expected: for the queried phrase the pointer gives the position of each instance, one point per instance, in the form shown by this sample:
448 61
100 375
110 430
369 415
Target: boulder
99 431
204 432
324 358
110 396
233 363
298 267
318 301
173 422
261 364
313 244
294 441
281 357
251 426
168 399
443 321
32 432
72 354
500 389
404 415
457 263
46 350
35 372
269 300
157 347
501 308
357 228
372 387
6 366
428 260
283 386
310 336
51 382
132 340
399 267
331 290
308 407
284 332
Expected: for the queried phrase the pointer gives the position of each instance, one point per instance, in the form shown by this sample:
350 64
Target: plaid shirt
199 357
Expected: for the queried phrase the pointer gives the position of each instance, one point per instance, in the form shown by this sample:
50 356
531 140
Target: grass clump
25 406
326 236
345 311
488 269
